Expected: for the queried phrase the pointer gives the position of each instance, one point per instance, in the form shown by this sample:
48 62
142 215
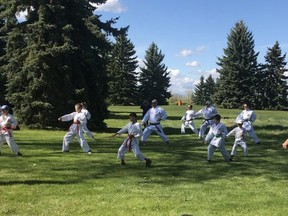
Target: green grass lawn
48 182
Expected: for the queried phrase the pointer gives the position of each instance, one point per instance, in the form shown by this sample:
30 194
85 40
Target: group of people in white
152 123
218 131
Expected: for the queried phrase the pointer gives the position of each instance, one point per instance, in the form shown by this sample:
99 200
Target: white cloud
180 84
192 64
189 52
185 53
113 6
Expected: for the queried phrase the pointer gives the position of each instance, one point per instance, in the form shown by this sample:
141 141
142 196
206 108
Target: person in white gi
154 115
216 139
88 116
134 130
187 120
208 113
239 133
76 129
8 123
248 116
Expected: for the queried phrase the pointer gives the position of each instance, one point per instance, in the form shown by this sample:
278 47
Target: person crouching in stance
76 129
134 130
216 139
8 123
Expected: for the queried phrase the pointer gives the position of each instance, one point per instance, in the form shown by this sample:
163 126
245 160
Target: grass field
46 181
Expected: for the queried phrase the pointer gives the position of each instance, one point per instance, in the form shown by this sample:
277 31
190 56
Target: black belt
154 123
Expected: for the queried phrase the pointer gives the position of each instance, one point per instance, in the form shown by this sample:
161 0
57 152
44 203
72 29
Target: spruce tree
209 88
273 84
198 96
238 70
55 58
154 77
123 89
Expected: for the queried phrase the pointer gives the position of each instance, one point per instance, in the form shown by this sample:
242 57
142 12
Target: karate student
8 123
208 113
239 133
76 129
216 139
134 130
88 116
248 116
154 115
187 120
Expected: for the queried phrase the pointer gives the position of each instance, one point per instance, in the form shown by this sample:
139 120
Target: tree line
62 53
243 79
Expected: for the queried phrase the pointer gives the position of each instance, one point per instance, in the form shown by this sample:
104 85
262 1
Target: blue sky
192 34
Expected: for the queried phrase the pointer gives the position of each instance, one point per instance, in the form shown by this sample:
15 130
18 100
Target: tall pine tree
273 91
154 77
198 96
55 58
123 89
238 70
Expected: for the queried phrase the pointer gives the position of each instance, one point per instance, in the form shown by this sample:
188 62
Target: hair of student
79 105
133 114
217 117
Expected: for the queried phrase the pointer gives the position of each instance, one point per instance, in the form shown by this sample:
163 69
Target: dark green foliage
123 88
273 86
55 58
154 77
203 90
239 70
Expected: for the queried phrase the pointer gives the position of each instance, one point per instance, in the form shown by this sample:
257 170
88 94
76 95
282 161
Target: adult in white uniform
208 112
154 115
76 129
187 120
7 124
134 130
216 139
248 116
239 132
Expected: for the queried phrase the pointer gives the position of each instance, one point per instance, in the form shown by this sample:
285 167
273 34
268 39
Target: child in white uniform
8 123
187 120
76 129
134 130
239 133
216 139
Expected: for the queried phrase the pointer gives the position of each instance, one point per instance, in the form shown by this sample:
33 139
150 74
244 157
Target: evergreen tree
2 53
209 88
198 96
154 77
123 87
55 58
238 70
273 93
204 90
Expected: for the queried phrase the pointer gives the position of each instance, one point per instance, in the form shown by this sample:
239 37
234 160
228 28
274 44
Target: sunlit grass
47 182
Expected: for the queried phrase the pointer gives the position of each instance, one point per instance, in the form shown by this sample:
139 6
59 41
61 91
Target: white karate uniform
248 117
131 143
208 113
154 115
188 121
76 129
216 139
6 133
239 140
85 128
